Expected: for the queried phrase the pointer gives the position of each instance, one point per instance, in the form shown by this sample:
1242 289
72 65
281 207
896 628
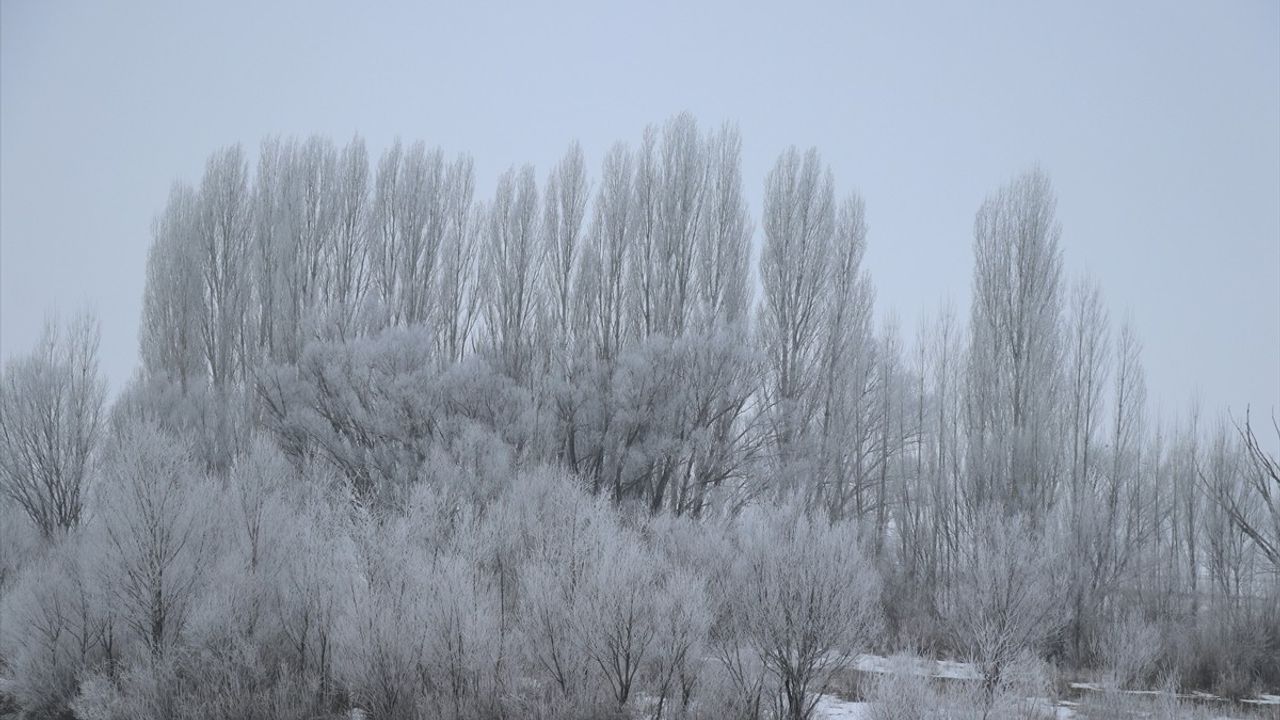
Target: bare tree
50 418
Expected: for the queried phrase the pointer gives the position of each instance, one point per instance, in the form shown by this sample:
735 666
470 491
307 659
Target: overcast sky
1159 124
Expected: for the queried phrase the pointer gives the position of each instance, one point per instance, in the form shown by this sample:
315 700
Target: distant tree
368 407
50 419
680 425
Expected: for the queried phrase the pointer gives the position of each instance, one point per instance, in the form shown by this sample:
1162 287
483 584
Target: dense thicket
559 452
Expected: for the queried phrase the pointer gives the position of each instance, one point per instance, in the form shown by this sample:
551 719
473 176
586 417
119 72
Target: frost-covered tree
173 300
1008 595
51 417
1088 344
1015 359
681 204
1255 511
795 272
799 600
223 237
848 374
723 249
1088 366
153 519
513 295
459 297
346 267
421 214
679 427
566 195
56 626
608 253
646 262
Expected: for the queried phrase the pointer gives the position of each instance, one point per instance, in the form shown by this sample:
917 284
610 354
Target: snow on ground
833 708
830 707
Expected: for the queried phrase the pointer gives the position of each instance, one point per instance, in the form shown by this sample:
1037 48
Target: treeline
568 450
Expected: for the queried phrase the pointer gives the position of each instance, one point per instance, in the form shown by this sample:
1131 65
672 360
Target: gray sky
1158 122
